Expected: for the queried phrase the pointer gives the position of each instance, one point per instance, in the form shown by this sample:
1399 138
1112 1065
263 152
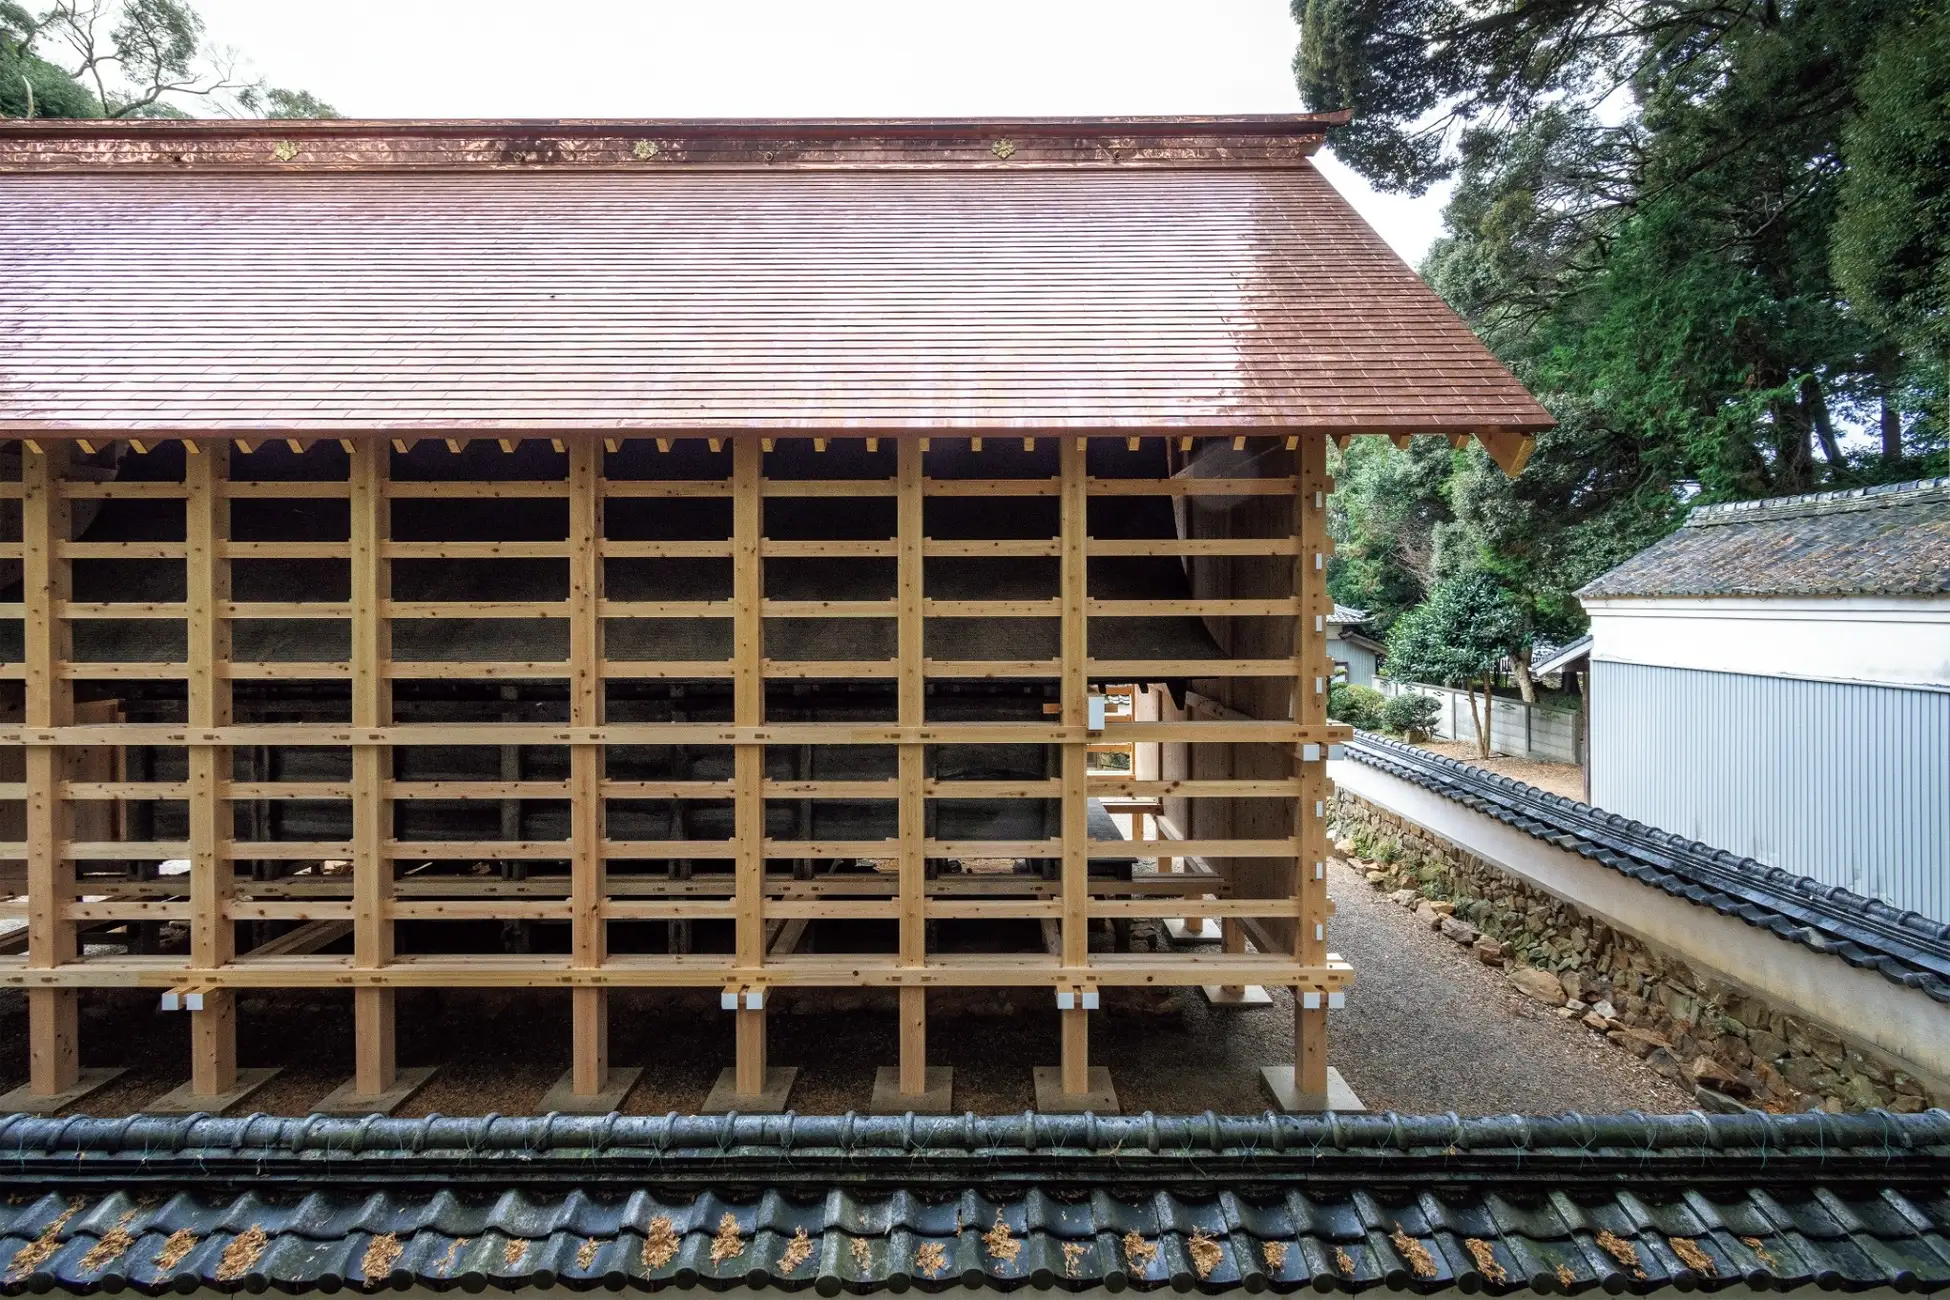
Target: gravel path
1429 1029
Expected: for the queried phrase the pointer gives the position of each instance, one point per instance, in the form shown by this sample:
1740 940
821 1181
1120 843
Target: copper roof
1118 275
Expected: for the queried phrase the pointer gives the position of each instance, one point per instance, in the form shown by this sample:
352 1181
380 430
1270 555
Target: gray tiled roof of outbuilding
1575 1203
1892 540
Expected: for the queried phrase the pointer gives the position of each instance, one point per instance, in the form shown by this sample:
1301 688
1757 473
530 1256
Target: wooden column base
54 1044
589 1075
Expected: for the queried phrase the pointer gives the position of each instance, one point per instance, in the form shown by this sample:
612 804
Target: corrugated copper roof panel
714 300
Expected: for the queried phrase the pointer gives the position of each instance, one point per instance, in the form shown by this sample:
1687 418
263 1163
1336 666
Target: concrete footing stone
1278 1081
182 1101
1206 931
345 1099
939 1099
1252 995
562 1095
724 1096
1052 1100
25 1101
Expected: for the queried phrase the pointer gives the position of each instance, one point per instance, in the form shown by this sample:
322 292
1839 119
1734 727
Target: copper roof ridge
674 144
1234 124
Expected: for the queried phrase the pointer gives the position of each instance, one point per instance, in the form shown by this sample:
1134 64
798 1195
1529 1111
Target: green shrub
1410 712
1358 706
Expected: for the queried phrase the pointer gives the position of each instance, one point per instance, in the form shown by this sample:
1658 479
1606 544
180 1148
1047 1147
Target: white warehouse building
1773 679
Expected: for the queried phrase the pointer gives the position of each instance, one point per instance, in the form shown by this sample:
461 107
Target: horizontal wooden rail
1099 786
700 970
332 734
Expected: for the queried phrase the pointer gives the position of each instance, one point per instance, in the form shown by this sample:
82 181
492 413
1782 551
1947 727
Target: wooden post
376 1066
53 1019
590 1019
1232 941
1075 687
751 1051
913 1040
748 763
1311 672
213 1029
913 769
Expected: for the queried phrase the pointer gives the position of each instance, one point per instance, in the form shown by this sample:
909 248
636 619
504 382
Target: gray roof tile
1890 541
1432 1202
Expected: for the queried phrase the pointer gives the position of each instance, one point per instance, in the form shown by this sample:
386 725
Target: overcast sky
793 58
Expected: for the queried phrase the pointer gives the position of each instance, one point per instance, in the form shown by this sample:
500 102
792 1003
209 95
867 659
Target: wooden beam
1230 731
376 1062
1312 670
53 1018
213 1028
910 529
700 970
750 1046
1510 451
913 1041
590 1048
748 760
1074 687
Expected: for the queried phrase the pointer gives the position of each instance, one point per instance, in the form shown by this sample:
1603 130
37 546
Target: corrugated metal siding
1848 784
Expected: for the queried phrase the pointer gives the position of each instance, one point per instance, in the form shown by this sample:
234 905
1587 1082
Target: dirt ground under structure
1426 1029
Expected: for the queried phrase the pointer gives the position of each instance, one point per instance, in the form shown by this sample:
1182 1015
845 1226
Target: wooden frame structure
1290 921
538 332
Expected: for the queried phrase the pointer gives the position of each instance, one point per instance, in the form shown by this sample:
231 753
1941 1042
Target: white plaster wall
1859 1006
1874 640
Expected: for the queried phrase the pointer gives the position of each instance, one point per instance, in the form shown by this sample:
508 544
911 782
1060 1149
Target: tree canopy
129 58
1713 237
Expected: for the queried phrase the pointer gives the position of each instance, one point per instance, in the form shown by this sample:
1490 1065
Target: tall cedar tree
1711 237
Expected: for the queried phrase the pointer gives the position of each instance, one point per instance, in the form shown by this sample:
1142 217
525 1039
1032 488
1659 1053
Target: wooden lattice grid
1264 712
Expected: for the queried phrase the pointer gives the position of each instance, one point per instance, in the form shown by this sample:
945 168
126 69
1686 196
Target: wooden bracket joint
742 997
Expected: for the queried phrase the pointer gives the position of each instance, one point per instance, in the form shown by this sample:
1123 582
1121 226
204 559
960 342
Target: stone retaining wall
1730 1046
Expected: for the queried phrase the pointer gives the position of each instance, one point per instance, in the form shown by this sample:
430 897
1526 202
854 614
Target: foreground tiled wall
1722 1041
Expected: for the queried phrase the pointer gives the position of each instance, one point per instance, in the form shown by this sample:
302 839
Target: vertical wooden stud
1075 687
213 1029
53 1020
751 1051
376 1065
913 767
913 1040
1311 670
748 762
1232 942
590 1020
